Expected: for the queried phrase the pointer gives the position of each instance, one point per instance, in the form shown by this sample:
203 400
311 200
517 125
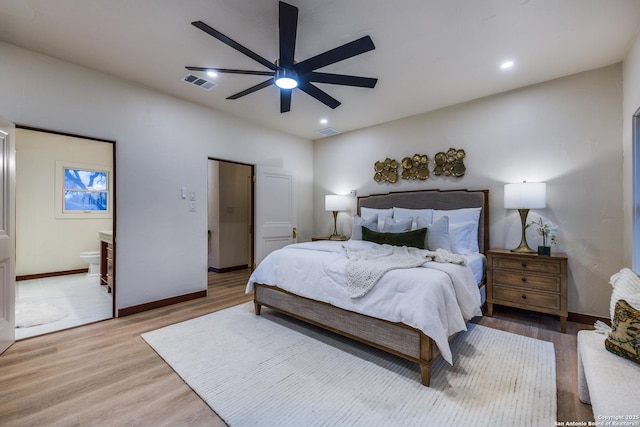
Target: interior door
7 235
276 210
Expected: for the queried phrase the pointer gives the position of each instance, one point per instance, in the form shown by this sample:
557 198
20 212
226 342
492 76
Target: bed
410 312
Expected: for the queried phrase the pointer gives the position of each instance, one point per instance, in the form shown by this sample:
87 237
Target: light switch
183 192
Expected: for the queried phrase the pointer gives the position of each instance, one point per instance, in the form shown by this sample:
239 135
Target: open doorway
230 216
65 208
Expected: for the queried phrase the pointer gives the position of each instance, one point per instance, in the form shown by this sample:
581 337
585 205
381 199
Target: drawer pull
524 265
524 279
524 296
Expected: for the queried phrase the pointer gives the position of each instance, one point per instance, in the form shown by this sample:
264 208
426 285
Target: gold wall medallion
386 171
416 167
450 163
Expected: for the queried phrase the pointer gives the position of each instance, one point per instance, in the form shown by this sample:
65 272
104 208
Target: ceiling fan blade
285 100
252 89
340 53
341 79
231 71
288 16
234 44
318 94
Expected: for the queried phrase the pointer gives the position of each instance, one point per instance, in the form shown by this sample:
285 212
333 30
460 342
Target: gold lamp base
524 247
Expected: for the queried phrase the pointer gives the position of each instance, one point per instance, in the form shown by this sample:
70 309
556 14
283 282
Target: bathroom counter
106 259
105 236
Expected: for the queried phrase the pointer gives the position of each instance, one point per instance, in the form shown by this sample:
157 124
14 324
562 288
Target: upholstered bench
610 383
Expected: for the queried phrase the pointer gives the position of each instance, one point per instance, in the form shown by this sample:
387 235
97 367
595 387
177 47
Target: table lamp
335 203
524 196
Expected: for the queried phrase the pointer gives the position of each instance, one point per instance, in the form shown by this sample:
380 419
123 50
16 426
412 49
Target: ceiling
429 53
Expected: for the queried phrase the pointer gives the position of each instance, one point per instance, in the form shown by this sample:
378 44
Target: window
82 191
85 190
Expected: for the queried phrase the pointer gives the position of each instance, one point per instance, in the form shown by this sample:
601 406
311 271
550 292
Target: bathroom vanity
106 259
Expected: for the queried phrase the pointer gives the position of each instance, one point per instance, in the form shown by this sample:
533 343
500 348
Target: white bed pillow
358 222
404 213
458 216
381 213
626 286
464 238
392 225
437 233
459 220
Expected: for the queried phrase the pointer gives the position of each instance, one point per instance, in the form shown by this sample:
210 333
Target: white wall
631 104
564 132
46 243
162 145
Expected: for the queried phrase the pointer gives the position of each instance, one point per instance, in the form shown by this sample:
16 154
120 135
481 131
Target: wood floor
105 374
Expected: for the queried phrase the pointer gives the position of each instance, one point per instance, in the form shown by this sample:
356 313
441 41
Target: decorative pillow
382 214
413 238
359 222
462 216
393 226
626 286
464 238
624 338
437 233
403 213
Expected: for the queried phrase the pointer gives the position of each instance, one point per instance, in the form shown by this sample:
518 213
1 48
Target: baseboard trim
52 274
127 311
228 269
586 319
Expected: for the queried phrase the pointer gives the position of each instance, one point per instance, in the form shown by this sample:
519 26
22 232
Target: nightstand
528 281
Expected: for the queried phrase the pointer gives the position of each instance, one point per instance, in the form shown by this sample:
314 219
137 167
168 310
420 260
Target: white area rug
270 370
37 313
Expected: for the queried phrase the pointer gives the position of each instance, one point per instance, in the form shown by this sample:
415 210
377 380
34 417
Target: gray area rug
271 370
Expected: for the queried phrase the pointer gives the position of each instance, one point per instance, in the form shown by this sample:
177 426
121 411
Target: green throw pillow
413 239
624 338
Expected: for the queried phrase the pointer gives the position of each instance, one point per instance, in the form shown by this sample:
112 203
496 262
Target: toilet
93 259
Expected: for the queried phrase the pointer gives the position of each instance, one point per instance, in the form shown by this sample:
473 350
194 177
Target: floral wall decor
450 163
386 171
416 167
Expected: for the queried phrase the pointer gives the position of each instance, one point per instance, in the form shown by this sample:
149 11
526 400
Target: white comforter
437 298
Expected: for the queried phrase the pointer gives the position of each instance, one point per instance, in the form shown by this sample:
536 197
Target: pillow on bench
624 338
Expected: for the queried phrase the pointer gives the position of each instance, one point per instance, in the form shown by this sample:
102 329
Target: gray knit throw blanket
366 266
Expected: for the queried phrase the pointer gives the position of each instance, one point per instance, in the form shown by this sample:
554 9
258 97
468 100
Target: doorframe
252 213
635 185
113 192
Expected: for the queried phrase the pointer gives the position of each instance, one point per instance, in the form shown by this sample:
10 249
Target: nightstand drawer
523 297
525 278
546 266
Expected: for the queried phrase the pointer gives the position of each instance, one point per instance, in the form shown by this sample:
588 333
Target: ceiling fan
288 74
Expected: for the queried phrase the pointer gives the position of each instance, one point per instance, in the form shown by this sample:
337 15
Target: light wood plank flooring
105 374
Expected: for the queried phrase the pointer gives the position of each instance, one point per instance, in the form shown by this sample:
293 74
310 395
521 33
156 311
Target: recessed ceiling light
212 73
324 121
506 65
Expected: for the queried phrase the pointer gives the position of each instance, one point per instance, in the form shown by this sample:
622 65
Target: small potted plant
548 236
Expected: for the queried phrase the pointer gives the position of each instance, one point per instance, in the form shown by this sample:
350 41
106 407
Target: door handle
294 233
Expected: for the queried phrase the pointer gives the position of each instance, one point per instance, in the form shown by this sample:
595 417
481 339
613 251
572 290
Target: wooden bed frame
396 338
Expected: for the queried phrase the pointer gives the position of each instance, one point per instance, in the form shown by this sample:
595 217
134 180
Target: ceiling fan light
286 79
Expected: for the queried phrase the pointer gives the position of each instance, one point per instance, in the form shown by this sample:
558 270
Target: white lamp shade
525 195
334 202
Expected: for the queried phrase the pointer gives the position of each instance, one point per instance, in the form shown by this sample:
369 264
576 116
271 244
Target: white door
7 236
276 210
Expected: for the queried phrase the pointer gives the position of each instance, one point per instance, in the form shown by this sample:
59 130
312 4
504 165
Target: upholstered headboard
436 199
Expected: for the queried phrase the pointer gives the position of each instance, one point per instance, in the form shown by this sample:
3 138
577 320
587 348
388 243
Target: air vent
199 81
328 131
